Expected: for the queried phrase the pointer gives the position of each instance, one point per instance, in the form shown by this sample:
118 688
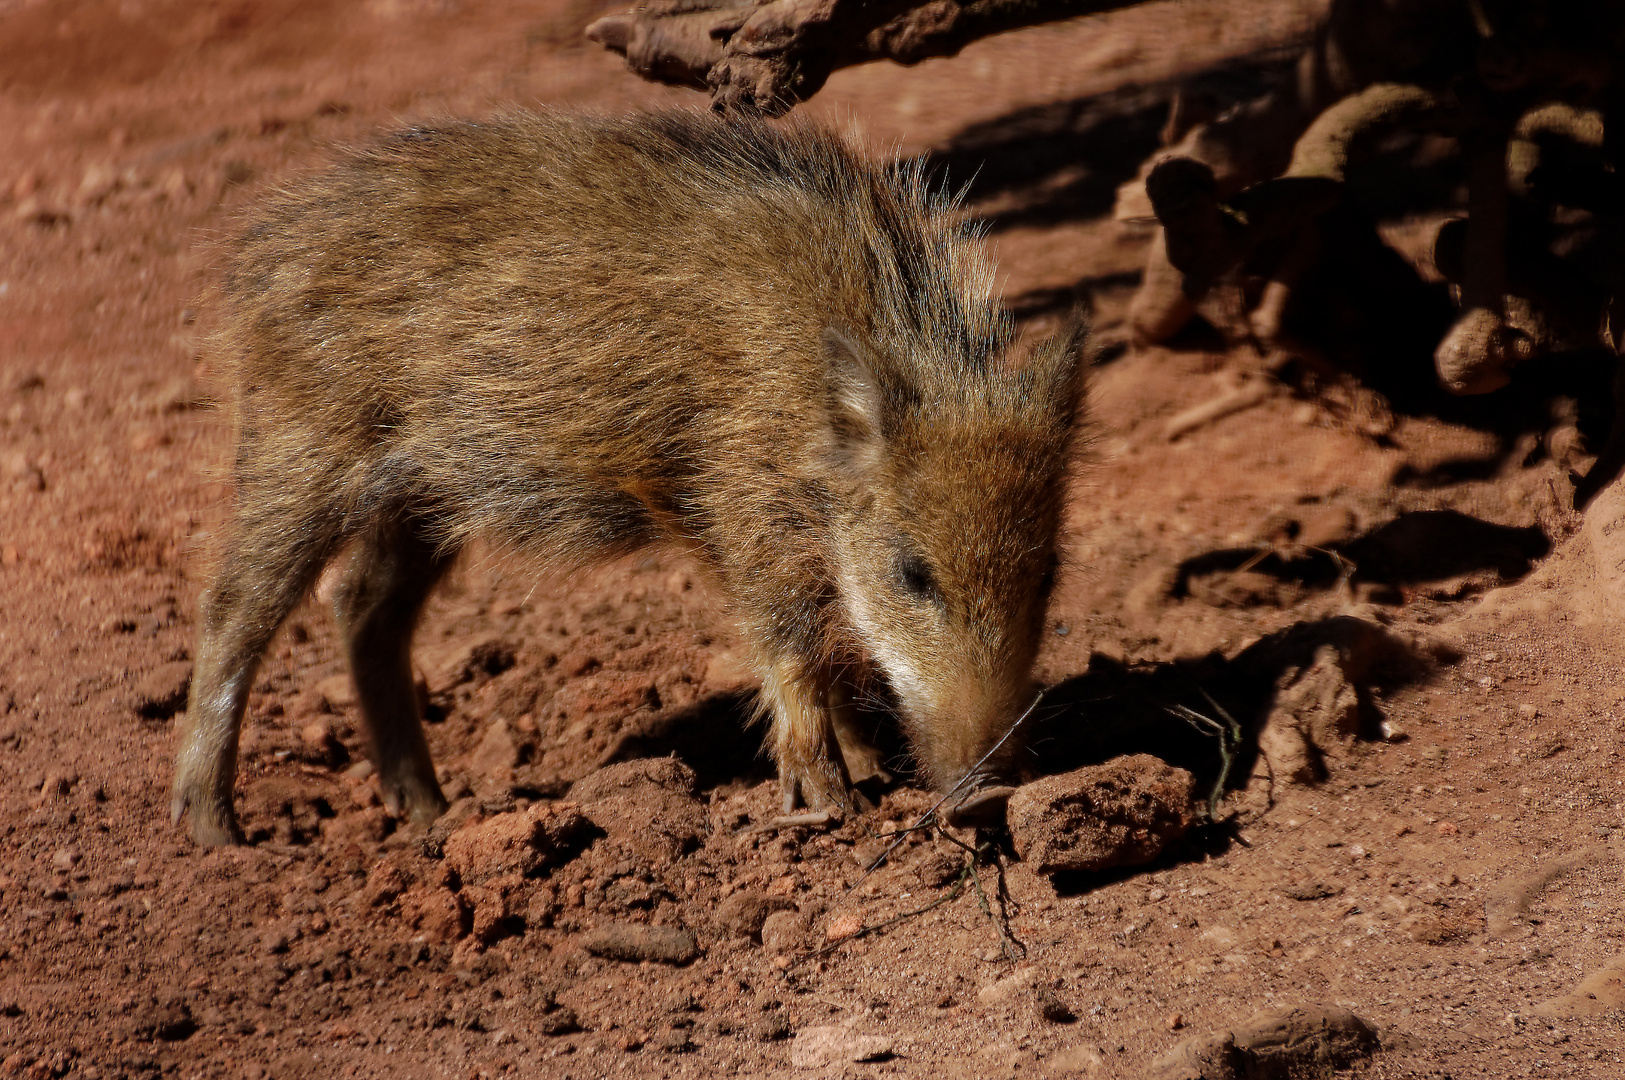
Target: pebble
827 1044
843 926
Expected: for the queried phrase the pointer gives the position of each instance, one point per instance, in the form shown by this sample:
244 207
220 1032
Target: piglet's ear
1060 367
852 403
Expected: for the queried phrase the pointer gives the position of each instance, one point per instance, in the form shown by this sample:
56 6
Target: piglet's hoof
982 808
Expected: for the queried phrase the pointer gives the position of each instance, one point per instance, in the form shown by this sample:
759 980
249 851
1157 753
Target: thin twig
1228 735
1007 941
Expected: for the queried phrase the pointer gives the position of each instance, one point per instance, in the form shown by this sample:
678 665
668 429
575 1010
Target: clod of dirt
1272 1045
466 662
170 1021
647 806
1603 991
337 692
1310 890
386 882
783 931
1051 1007
1316 715
770 1028
499 750
828 1044
634 943
525 842
1122 813
558 1020
438 914
494 914
744 913
161 692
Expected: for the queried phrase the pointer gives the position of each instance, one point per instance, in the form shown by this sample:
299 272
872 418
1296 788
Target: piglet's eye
915 578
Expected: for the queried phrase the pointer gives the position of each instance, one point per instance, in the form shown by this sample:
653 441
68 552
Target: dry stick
1229 736
1007 941
930 815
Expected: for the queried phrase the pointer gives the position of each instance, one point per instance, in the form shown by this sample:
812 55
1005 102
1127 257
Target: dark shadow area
1064 161
1577 383
1051 301
1213 839
1046 164
1414 548
1432 545
1115 709
713 736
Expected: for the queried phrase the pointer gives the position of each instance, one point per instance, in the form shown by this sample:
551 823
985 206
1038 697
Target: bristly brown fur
576 336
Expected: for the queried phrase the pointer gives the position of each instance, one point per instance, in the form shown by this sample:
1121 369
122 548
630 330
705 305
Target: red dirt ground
1453 875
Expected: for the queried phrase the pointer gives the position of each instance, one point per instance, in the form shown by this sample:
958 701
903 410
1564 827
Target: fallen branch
766 57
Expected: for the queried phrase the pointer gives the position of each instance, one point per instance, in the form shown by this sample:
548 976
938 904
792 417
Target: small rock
743 913
825 1045
1007 988
321 745
783 932
673 1041
1085 1060
338 691
170 1021
770 1028
1121 813
635 942
497 753
558 1020
843 926
1306 1041
680 1000
100 180
58 784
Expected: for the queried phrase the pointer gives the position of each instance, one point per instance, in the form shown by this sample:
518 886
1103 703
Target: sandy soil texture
1423 637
